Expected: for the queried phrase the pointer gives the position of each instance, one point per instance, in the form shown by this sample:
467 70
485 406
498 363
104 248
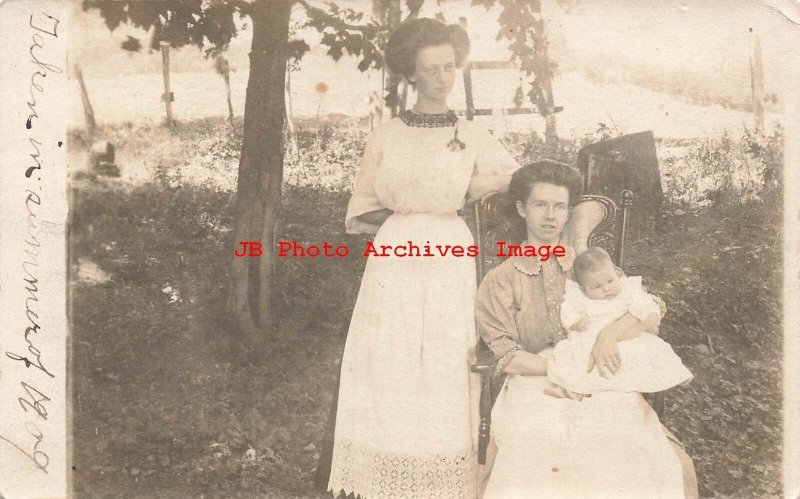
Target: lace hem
373 474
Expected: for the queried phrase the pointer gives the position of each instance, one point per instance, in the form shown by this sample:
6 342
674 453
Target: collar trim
533 266
425 120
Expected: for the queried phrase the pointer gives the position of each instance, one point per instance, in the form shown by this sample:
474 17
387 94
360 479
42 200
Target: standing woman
407 409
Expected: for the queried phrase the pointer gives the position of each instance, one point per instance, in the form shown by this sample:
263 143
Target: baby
600 297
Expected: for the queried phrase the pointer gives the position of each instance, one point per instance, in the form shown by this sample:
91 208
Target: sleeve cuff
358 206
506 358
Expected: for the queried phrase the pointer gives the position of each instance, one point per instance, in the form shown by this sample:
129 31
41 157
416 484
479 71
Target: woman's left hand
480 186
605 355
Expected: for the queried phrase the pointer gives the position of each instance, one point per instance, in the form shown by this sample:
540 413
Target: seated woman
608 445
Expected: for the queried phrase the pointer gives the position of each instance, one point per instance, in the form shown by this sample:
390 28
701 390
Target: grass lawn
164 406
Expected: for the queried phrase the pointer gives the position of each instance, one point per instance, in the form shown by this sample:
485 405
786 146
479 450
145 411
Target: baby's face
601 284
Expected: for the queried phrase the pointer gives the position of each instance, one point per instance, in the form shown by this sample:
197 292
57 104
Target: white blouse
415 169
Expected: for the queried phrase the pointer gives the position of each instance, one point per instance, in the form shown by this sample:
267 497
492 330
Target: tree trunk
260 171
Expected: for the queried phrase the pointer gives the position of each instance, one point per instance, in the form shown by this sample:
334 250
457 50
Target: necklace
426 120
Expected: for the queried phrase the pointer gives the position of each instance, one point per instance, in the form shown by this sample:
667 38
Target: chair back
594 221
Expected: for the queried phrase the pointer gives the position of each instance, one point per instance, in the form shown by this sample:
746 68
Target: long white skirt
407 413
609 445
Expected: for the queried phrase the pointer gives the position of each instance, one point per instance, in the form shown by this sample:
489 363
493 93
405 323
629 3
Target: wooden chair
594 221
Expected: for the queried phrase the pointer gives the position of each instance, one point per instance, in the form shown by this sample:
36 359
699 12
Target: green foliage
522 24
694 173
723 170
527 148
327 158
346 30
207 24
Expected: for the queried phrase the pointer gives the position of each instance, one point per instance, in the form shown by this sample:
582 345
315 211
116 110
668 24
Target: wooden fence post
168 97
546 85
224 70
377 79
228 91
757 84
394 15
88 112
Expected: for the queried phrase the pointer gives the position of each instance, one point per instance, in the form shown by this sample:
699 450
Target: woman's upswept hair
589 261
522 182
548 172
416 34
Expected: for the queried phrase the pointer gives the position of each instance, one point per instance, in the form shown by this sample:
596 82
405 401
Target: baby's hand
560 392
582 324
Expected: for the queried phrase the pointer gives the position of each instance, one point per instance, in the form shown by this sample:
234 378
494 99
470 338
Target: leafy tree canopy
209 25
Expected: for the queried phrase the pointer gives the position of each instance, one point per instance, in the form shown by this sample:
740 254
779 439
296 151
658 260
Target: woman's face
545 212
435 72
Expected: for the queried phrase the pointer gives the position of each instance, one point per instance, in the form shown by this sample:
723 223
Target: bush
695 172
327 158
702 172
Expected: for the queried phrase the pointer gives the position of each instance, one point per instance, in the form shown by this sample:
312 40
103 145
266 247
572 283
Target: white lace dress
407 414
648 363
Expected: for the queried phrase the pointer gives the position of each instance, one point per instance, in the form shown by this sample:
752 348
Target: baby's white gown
648 363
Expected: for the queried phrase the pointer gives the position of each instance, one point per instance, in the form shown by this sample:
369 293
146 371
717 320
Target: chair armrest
484 359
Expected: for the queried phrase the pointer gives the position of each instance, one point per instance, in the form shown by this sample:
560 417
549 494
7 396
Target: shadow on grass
165 405
163 401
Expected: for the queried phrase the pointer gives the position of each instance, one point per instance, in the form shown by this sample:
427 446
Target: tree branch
333 20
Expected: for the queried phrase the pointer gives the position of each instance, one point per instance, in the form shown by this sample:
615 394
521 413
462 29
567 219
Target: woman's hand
605 354
481 186
376 217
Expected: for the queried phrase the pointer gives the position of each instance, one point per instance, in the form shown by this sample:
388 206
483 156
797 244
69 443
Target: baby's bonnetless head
596 274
